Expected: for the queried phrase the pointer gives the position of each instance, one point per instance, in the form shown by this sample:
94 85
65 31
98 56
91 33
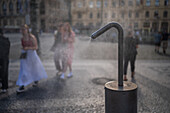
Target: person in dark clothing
158 38
57 49
165 37
4 61
130 52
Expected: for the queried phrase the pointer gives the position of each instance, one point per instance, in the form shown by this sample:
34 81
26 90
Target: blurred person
57 48
4 61
165 37
31 68
68 39
41 31
138 36
71 40
130 52
158 38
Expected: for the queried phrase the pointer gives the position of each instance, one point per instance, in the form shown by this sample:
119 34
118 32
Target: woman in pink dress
68 39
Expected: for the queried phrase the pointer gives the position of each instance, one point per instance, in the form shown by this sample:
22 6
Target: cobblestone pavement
84 92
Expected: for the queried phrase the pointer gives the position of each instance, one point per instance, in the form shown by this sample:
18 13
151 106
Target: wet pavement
84 92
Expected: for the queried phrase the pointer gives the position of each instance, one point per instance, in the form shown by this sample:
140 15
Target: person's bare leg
70 69
64 67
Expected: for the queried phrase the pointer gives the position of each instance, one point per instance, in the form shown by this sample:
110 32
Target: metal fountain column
120 97
120 46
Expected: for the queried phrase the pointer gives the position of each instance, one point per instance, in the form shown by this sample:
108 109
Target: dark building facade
144 15
14 13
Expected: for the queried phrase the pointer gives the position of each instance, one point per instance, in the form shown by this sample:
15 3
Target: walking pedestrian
158 38
130 52
138 36
57 48
165 37
68 38
31 68
4 61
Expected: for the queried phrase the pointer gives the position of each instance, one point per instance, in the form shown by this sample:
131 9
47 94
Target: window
4 8
98 4
130 25
84 3
91 25
5 22
105 3
79 4
121 2
166 2
146 32
147 14
26 6
156 14
155 26
130 3
58 5
156 2
43 26
18 3
113 15
136 25
130 14
98 24
146 24
123 24
74 4
77 24
122 15
19 22
79 15
50 3
137 15
10 8
42 7
138 2
113 4
148 2
105 15
91 4
165 14
91 15
164 26
81 24
98 15
11 22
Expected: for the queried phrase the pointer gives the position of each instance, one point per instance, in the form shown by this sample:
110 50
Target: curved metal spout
120 46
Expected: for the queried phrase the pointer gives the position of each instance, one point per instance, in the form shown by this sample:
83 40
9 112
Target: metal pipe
120 46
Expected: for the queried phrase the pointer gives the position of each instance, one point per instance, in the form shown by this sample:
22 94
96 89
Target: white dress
31 69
